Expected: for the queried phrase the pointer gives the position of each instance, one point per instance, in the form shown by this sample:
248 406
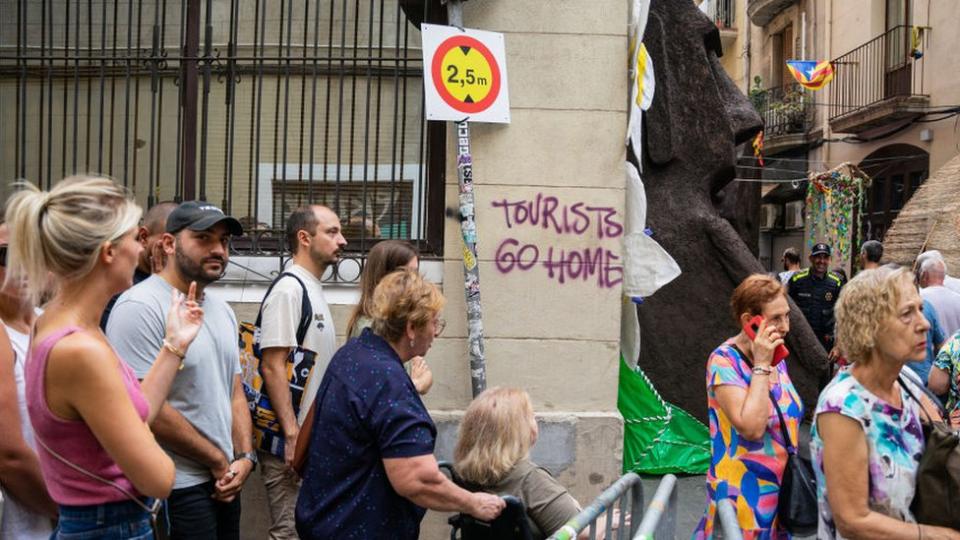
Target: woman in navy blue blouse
370 471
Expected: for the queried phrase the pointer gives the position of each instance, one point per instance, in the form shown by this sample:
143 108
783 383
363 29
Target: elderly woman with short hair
867 436
370 471
744 385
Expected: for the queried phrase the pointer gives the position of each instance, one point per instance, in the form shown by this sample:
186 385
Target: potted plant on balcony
758 95
791 111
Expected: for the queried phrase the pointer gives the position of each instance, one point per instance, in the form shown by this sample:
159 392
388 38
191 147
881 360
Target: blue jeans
124 520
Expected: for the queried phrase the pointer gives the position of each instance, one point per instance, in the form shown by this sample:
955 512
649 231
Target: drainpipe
746 50
829 51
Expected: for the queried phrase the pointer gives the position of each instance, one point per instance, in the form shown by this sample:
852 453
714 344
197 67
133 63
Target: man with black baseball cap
815 290
200 216
206 410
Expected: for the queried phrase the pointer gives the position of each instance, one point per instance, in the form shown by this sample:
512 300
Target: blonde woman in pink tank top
90 415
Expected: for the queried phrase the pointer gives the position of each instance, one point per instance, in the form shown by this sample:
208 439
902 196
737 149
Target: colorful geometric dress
744 471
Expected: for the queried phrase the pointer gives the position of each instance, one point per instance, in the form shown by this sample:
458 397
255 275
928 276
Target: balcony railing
880 81
722 12
724 16
786 110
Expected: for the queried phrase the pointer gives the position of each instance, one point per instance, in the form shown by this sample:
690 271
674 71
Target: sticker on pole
464 75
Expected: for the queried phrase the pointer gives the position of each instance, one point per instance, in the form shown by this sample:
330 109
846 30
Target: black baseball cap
820 249
200 216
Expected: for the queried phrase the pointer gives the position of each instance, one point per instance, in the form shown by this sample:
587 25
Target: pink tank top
72 439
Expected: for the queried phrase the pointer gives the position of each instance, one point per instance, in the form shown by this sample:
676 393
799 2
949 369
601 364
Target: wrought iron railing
888 66
785 110
721 11
258 106
725 15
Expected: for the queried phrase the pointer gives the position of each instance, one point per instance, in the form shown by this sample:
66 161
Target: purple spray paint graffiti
565 265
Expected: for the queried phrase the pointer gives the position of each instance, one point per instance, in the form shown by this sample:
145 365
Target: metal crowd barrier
660 519
729 524
628 491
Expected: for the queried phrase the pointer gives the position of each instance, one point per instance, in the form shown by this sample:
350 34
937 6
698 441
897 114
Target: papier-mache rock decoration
659 438
683 133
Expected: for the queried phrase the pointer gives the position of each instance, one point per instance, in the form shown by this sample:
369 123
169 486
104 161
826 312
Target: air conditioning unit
768 216
793 217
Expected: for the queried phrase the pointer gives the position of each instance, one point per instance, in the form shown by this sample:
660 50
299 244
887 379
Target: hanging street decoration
916 39
758 147
464 75
810 74
834 200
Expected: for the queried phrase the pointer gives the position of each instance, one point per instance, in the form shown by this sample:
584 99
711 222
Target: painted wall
549 202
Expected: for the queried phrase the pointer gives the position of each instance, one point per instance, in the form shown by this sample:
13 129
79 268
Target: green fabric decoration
658 437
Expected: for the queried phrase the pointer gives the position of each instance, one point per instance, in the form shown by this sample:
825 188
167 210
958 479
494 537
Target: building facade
260 106
887 110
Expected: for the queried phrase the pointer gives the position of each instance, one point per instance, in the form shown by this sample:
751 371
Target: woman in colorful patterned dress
749 453
867 438
945 377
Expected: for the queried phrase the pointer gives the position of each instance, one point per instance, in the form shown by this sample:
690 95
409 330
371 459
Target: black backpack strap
306 309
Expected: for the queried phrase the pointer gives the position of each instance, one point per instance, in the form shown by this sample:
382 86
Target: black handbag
936 500
797 507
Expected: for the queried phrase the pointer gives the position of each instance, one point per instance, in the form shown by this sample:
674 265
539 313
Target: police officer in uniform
815 290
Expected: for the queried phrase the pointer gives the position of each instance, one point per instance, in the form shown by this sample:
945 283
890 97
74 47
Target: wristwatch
252 456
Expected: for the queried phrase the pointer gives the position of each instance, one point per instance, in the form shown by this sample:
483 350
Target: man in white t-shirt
316 241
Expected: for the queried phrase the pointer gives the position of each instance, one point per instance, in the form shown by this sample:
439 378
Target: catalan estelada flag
811 75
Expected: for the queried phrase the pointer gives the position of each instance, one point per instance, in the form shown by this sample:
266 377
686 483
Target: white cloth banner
647 266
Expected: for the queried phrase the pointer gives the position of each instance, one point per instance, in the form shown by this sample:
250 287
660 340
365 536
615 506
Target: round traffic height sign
466 74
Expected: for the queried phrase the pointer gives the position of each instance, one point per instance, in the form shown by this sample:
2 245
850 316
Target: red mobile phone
751 328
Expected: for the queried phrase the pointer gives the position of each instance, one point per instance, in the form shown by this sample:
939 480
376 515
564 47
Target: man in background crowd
791 264
870 254
205 423
152 257
315 240
932 289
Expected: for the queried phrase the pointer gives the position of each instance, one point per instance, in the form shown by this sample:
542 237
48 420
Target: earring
411 343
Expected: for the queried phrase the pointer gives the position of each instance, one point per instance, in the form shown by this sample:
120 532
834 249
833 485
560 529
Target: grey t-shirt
203 389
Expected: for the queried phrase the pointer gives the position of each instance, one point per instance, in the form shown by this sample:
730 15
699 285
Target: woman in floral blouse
867 437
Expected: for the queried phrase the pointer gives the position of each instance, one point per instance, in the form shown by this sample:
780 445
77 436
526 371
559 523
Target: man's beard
324 260
193 271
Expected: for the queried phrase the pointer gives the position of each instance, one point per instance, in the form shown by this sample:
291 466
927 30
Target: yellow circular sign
468 74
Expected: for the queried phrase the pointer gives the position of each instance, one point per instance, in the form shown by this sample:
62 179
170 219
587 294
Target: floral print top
894 443
948 359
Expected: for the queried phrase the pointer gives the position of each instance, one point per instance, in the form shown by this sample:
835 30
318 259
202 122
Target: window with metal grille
256 105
